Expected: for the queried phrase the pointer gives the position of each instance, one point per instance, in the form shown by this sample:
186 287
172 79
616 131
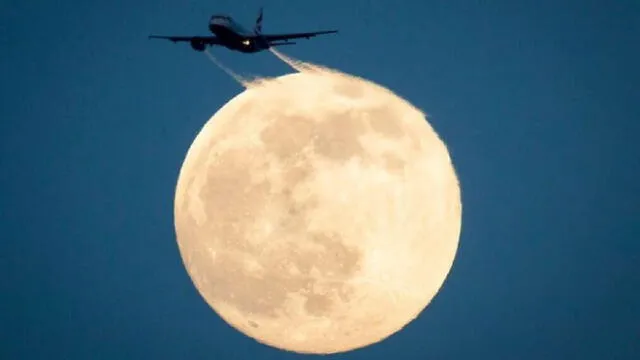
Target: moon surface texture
317 212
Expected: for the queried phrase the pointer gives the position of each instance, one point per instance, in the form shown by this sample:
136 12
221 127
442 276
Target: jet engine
198 45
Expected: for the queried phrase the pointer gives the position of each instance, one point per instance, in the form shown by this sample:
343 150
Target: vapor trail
296 64
229 72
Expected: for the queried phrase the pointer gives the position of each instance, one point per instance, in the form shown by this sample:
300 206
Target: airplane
231 35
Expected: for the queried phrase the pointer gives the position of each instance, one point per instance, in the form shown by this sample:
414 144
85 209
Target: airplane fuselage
234 37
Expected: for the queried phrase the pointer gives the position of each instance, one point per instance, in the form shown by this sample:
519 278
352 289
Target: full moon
318 212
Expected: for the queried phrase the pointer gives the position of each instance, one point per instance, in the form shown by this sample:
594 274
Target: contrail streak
296 64
229 72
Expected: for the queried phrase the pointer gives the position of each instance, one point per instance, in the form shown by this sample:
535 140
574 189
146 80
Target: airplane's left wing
209 40
307 35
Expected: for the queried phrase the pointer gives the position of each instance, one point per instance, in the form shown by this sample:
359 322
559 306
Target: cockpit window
226 21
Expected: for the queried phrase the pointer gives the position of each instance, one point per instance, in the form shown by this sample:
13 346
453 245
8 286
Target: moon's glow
317 212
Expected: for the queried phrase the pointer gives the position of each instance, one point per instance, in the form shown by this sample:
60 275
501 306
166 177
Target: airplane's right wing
308 35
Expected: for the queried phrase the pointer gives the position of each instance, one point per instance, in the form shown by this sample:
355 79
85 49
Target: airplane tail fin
258 28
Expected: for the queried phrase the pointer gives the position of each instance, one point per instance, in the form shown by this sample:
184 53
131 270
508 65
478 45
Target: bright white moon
318 212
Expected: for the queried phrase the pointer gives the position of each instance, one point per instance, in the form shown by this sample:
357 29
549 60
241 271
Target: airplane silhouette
231 35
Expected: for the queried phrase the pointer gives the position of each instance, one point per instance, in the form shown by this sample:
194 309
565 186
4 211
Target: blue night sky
537 100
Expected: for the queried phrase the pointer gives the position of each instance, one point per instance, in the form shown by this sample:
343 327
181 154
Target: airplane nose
217 21
215 27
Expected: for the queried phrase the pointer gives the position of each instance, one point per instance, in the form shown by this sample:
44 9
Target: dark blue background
537 100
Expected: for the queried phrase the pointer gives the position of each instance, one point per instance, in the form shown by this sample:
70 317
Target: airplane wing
308 35
209 40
